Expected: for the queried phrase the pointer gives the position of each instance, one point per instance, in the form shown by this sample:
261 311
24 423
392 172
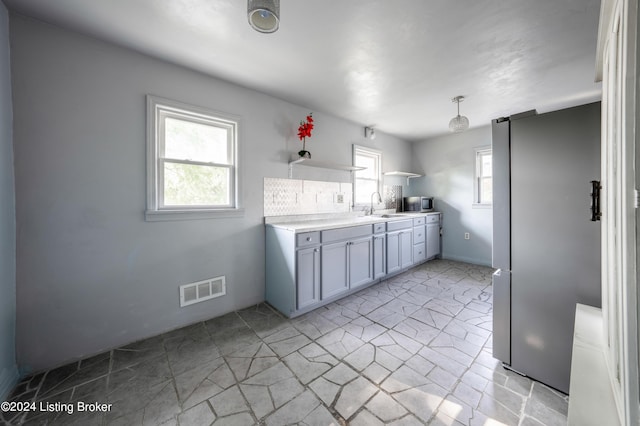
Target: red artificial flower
304 131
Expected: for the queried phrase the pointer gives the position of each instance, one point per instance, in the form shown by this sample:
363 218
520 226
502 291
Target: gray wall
447 163
8 371
91 273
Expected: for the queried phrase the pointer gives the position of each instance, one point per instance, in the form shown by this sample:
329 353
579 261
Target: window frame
477 187
158 109
377 155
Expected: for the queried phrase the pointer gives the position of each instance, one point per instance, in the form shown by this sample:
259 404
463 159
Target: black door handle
595 200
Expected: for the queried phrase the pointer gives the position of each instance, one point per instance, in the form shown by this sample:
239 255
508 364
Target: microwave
417 204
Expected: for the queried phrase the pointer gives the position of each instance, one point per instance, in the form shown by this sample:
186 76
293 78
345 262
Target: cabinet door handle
316 250
308 238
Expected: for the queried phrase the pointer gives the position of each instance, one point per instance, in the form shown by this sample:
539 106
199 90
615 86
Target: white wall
91 273
448 165
8 371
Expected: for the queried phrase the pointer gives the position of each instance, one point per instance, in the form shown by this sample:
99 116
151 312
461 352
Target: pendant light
459 123
264 15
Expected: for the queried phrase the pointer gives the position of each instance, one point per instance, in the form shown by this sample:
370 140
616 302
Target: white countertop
340 222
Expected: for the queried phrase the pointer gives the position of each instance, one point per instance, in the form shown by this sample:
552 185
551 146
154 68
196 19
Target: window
369 180
483 191
192 162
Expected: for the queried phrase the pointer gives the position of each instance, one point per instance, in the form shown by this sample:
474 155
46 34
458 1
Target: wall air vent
202 290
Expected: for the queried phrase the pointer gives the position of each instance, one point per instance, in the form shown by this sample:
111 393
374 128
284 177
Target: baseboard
466 259
8 379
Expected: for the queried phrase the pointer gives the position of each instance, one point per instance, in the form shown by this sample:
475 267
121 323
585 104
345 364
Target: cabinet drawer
419 253
346 233
431 218
419 234
396 225
379 228
418 221
308 239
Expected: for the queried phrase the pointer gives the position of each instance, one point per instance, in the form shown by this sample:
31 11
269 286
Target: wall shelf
320 164
408 175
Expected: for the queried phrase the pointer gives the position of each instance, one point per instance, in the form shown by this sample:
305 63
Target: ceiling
392 65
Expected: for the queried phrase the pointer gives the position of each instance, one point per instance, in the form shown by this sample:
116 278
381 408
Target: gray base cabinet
379 256
308 277
419 253
399 250
419 240
360 262
334 269
305 270
393 252
399 245
433 235
406 249
346 264
433 240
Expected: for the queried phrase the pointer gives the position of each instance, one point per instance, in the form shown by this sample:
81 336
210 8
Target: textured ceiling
391 64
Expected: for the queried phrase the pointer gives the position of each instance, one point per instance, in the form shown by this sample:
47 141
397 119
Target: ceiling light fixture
369 133
264 15
459 123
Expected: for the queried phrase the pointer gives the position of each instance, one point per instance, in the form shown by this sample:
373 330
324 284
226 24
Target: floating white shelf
408 175
320 164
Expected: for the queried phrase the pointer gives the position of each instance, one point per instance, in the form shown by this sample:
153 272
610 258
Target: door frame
618 45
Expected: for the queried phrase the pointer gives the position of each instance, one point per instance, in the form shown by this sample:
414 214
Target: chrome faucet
379 201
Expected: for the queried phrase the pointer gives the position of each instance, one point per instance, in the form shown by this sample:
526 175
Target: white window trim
370 151
156 212
476 178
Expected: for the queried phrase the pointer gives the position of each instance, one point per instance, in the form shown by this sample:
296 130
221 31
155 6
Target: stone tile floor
414 349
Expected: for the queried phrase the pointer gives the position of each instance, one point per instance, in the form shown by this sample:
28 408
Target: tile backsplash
286 197
392 197
283 197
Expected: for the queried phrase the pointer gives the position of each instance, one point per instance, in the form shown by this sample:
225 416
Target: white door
618 42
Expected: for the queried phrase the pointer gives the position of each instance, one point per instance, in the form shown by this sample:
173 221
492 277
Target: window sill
481 206
167 215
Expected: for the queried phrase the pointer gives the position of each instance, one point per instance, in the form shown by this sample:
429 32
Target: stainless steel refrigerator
546 249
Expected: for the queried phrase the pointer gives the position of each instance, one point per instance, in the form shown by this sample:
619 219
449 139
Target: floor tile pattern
414 349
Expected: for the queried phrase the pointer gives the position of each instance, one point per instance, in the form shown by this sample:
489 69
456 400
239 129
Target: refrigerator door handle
595 200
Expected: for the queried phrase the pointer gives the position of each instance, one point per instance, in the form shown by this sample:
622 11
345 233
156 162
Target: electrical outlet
340 198
466 236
